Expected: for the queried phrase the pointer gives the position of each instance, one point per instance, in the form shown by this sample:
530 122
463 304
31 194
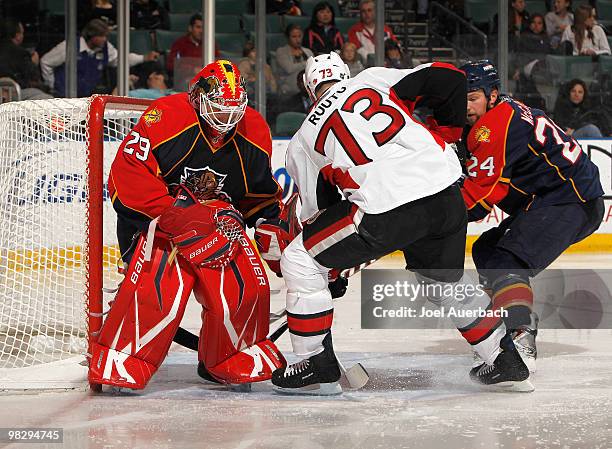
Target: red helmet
218 93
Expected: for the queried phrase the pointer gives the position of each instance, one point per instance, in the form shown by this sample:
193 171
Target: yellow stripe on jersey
558 171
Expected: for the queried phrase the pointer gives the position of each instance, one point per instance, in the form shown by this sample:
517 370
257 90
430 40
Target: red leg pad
119 369
137 333
253 364
236 316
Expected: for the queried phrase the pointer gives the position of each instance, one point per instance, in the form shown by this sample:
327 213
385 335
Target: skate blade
524 386
327 389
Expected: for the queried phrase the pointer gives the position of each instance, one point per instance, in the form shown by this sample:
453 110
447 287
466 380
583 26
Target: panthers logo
205 184
153 116
211 85
482 134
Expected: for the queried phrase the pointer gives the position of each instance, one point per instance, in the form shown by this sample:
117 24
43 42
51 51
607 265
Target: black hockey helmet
481 75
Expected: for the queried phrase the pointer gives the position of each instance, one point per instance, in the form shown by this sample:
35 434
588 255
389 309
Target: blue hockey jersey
519 159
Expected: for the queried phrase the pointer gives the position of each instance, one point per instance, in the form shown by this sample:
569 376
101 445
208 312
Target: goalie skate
316 376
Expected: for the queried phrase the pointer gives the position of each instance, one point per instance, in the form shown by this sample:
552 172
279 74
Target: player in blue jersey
519 160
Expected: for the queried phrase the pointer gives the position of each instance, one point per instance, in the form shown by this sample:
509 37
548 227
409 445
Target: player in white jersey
399 183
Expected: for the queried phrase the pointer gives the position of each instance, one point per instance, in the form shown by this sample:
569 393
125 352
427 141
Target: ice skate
317 375
476 360
524 341
507 373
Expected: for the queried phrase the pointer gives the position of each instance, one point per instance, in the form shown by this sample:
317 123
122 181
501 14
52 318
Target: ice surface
419 396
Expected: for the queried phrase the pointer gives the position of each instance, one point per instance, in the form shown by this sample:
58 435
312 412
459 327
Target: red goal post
94 259
57 239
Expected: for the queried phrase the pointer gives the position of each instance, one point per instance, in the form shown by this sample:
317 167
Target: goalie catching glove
273 235
204 235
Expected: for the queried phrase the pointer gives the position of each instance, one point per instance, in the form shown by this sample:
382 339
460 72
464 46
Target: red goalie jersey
171 145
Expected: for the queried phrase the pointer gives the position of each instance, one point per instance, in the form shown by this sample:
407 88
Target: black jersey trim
558 171
175 166
255 145
246 184
172 137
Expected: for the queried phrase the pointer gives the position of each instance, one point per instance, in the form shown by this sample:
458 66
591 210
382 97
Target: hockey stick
356 376
190 341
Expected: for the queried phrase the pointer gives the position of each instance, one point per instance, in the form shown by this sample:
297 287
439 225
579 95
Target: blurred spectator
248 71
351 58
585 37
530 63
290 59
422 8
395 57
520 16
518 19
558 20
299 102
189 45
104 10
148 15
18 63
535 40
288 7
322 36
155 84
362 34
575 113
95 56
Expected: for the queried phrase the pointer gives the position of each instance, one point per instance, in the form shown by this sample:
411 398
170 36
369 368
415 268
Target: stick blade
357 376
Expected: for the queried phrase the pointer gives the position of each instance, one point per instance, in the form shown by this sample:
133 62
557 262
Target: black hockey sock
517 316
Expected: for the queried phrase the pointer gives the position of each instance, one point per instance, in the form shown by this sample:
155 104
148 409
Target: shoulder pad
254 128
167 117
491 125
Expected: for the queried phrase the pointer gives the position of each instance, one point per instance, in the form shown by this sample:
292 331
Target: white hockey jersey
361 137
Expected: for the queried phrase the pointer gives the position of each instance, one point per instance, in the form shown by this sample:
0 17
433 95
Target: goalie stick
356 376
190 341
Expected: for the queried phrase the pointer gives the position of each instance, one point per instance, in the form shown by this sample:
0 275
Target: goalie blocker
199 248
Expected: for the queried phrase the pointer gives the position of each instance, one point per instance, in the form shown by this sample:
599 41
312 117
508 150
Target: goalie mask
323 68
218 94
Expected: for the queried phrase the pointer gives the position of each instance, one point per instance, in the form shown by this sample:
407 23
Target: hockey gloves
450 134
273 235
205 235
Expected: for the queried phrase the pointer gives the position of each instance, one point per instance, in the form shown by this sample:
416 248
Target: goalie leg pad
137 333
235 319
252 364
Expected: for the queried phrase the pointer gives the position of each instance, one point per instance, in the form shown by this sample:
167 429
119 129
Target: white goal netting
44 291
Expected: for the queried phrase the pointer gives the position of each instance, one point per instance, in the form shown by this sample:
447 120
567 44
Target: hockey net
57 231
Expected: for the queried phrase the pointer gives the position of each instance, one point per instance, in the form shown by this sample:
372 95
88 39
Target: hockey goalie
213 150
191 247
